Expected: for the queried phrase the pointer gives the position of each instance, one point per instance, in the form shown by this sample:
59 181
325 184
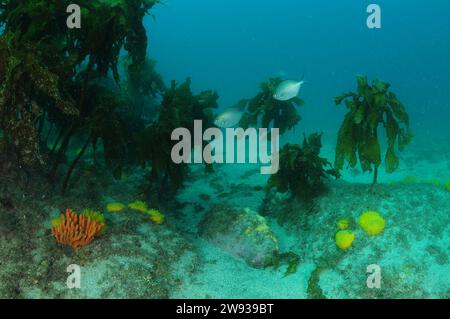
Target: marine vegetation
266 111
290 259
314 290
372 223
179 108
302 170
369 107
26 89
75 230
52 81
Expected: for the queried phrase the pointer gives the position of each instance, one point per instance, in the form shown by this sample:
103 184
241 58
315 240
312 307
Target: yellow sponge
372 223
344 239
156 216
447 185
343 223
139 206
115 207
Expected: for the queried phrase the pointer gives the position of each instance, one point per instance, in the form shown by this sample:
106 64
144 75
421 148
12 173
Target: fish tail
303 81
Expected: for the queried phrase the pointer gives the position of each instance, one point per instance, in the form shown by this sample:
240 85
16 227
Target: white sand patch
412 251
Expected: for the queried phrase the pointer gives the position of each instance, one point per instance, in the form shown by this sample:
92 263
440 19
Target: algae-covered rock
241 232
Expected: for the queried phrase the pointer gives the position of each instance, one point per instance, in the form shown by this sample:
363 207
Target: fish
288 90
229 118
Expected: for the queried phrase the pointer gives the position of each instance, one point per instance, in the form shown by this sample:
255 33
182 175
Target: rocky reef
241 232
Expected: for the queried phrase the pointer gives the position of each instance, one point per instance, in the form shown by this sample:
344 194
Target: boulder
242 233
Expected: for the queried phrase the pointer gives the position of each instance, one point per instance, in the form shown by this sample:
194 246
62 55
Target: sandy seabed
138 259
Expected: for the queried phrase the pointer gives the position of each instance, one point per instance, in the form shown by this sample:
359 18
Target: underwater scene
175 149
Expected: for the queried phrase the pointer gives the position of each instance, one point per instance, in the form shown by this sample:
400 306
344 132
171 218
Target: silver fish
228 118
287 90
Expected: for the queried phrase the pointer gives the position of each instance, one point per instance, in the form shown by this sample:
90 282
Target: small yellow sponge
344 239
343 223
156 216
139 206
372 223
56 222
115 207
447 185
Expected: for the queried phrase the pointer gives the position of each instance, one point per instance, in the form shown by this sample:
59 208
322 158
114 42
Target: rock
242 233
131 260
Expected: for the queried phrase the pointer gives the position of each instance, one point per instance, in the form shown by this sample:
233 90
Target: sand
143 260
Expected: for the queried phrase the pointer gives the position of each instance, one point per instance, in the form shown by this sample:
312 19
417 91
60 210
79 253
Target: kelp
51 74
179 108
147 82
358 140
302 171
268 112
107 27
143 89
27 89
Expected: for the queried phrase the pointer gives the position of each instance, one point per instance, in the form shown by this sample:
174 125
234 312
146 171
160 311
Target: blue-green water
226 231
231 46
